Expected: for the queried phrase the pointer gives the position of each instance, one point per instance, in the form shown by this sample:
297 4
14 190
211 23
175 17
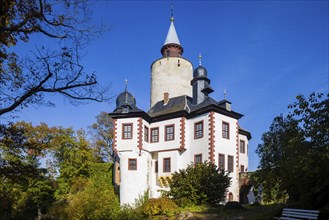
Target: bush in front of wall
161 206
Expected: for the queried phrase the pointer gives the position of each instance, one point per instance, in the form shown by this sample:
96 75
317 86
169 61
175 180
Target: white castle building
184 125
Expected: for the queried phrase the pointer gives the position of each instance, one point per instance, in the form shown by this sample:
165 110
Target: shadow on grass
246 212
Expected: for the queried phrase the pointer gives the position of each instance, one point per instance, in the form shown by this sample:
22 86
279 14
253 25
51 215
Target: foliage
25 188
63 30
93 198
102 134
201 183
78 186
128 212
295 154
160 206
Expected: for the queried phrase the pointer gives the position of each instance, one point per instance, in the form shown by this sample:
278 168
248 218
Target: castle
184 125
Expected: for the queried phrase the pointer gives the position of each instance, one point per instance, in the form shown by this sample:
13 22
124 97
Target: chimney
165 98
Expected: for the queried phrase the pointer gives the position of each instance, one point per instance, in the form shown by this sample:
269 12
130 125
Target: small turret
200 84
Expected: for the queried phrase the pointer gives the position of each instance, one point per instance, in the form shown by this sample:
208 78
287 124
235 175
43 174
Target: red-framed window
167 164
132 164
127 131
221 161
154 135
198 130
169 132
226 130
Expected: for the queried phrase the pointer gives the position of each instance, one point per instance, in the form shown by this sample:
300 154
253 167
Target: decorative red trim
115 127
140 134
237 145
211 120
182 133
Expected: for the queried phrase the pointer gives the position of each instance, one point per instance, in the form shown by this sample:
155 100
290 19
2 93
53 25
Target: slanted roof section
244 132
172 37
175 104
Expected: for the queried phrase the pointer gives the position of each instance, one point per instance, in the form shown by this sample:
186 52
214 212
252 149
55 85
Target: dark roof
125 103
175 104
200 71
244 132
180 106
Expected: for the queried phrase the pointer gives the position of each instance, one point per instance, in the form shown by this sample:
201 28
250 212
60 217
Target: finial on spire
200 59
172 12
224 94
126 84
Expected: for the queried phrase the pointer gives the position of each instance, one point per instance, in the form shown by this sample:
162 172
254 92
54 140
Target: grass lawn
247 212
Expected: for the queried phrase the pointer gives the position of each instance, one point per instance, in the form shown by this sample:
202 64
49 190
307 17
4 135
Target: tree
56 68
201 183
102 134
93 197
294 155
25 188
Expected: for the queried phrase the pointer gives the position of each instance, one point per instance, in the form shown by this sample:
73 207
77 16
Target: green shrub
201 183
161 206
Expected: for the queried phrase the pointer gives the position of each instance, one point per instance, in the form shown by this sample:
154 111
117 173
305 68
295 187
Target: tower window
178 63
154 135
127 130
198 130
167 53
166 164
230 160
132 164
242 147
226 130
170 132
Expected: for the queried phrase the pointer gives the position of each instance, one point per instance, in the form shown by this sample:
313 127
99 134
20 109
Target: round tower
172 73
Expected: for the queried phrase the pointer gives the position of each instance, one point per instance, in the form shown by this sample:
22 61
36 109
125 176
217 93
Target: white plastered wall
172 75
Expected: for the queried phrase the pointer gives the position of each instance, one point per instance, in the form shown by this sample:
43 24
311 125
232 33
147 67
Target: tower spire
126 85
172 12
200 59
172 46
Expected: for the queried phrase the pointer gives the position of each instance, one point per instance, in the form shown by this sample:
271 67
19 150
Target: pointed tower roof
172 46
172 37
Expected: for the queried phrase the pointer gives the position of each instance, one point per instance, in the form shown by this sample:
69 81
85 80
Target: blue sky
263 53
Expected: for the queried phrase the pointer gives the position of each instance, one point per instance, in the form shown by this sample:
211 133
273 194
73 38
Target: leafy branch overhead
26 78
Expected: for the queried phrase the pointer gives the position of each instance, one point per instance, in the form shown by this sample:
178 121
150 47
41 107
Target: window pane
242 147
225 130
198 130
221 161
198 158
166 165
127 131
155 135
169 133
132 164
230 163
146 134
